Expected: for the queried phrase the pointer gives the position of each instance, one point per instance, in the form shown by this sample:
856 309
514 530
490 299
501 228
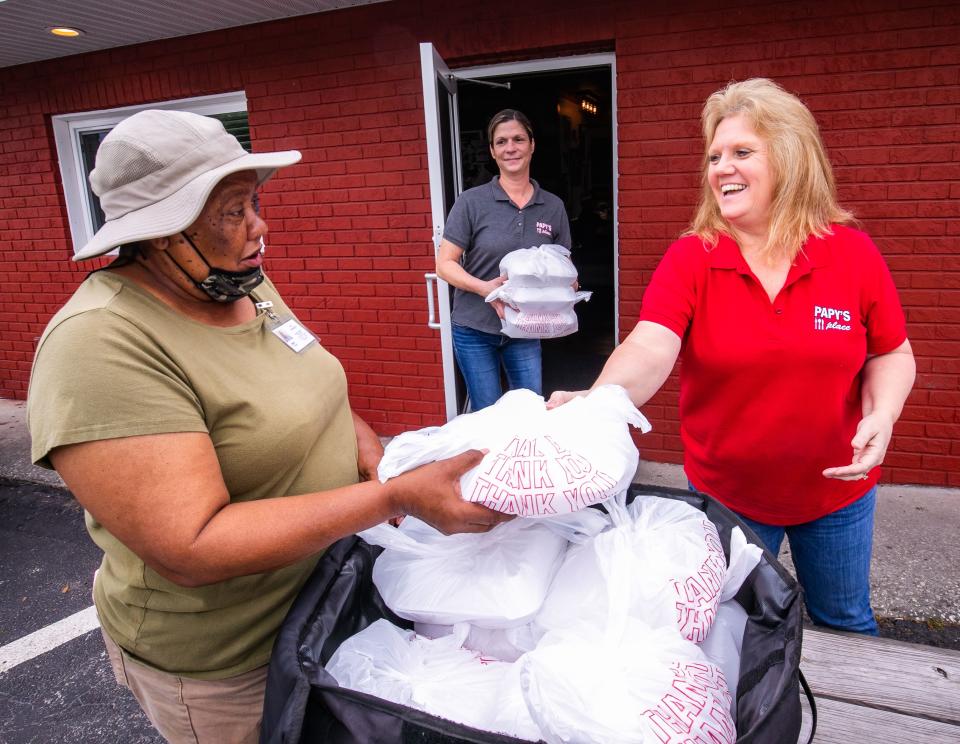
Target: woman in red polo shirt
793 344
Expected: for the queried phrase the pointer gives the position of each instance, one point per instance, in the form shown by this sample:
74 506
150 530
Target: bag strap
753 677
750 680
813 705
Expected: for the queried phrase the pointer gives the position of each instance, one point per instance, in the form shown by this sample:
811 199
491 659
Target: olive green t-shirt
117 362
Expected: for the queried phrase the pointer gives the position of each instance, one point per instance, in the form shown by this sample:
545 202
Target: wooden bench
872 690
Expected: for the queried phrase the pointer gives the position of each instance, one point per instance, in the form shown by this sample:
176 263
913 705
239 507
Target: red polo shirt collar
726 255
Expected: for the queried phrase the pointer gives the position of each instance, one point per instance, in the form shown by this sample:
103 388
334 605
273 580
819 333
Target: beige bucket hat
155 170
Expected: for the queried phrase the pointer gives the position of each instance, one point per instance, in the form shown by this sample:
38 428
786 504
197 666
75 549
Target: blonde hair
805 197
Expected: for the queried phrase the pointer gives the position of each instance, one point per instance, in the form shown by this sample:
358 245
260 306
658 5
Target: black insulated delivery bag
304 703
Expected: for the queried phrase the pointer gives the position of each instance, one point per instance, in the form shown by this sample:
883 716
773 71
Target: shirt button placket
778 329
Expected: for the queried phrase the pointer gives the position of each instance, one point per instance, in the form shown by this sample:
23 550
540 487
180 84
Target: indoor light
66 31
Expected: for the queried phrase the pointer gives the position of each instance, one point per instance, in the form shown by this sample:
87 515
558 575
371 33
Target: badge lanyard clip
266 306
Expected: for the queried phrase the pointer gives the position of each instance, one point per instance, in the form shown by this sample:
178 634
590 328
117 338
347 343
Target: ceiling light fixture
65 31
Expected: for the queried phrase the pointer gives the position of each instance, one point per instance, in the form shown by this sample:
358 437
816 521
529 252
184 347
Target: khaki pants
194 711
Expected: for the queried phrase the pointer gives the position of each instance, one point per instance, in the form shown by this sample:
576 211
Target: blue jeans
480 356
832 558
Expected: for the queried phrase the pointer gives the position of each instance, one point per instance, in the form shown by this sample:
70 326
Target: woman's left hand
498 307
869 448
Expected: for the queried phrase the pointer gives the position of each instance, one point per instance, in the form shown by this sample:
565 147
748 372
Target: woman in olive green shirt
205 431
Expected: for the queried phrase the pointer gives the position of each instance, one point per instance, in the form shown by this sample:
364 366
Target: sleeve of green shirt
97 376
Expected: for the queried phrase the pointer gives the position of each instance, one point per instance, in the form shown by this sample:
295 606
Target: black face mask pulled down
222 285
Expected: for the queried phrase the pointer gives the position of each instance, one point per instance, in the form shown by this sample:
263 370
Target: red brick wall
350 227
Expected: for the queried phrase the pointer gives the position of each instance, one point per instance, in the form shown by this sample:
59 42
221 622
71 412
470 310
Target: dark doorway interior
571 112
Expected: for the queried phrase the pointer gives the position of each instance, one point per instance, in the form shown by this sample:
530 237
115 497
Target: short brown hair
508 115
805 198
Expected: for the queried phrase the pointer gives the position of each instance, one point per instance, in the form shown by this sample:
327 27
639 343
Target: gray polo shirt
488 226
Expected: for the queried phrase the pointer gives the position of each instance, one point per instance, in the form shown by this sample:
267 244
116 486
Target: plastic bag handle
392 538
619 405
498 293
619 575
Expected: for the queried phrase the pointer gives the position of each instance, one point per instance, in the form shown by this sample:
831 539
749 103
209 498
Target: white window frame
67 129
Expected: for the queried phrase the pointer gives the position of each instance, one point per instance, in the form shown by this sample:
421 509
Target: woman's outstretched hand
559 397
869 448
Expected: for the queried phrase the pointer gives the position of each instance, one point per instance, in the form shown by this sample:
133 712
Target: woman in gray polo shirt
485 224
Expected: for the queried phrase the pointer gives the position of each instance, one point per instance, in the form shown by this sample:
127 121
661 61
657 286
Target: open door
572 101
443 160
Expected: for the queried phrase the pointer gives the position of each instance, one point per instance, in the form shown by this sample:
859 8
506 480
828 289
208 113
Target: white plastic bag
724 643
538 323
538 299
537 312
578 592
503 644
681 565
673 562
512 716
437 676
548 265
744 557
496 579
607 678
508 644
643 685
540 463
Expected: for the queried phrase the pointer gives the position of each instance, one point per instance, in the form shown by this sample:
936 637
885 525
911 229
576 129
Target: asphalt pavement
68 692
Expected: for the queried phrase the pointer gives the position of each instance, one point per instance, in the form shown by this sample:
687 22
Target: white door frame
434 70
431 65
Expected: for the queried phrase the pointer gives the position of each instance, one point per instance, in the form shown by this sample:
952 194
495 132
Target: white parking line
46 639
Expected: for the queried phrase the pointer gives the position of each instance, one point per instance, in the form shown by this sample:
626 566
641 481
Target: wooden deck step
874 689
846 723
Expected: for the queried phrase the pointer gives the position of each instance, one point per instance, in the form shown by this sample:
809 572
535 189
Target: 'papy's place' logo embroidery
544 229
830 319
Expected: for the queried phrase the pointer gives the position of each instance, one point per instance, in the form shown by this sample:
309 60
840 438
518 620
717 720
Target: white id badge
287 329
292 333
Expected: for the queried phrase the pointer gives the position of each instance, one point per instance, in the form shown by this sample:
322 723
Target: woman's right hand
559 397
487 288
432 493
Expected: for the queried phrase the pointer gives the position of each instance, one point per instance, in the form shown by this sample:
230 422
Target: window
79 135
